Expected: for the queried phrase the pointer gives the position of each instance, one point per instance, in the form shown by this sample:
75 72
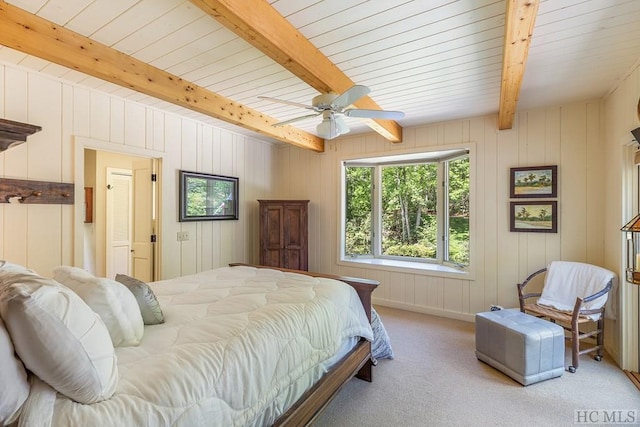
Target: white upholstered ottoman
524 347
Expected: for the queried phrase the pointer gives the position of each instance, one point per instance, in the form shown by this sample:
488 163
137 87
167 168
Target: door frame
81 143
629 315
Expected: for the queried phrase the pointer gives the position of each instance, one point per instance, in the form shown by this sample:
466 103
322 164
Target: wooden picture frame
534 217
205 197
534 182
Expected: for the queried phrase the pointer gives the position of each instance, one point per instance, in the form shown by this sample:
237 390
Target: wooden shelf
15 133
32 192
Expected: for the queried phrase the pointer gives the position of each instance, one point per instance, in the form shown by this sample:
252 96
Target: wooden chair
574 295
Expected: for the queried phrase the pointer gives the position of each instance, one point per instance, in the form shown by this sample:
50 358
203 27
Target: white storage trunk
524 347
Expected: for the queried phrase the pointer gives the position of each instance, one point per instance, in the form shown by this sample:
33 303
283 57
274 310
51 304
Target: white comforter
238 347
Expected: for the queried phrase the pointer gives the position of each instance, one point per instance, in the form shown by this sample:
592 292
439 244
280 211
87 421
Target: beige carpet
436 380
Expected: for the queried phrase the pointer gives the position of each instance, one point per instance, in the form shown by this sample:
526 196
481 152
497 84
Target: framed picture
206 197
537 217
535 181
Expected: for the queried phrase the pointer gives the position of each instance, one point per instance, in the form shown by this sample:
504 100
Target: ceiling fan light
341 125
328 129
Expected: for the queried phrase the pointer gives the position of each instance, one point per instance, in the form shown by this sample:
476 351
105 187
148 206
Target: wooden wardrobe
283 233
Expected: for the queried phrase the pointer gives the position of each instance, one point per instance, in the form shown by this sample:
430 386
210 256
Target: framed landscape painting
534 181
537 217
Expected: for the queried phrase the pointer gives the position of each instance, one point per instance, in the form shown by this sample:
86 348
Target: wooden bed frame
356 363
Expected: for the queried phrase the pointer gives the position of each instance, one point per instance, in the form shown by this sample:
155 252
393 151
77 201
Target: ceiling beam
257 22
520 19
36 36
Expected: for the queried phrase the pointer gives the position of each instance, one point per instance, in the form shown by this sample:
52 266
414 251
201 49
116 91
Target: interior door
143 225
119 221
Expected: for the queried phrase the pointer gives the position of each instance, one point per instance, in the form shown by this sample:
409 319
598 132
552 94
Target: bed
238 346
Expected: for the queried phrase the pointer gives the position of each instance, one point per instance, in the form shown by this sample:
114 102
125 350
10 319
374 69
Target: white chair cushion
14 385
57 336
115 304
565 281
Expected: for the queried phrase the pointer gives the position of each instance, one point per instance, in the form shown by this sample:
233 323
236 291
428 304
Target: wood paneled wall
41 236
584 139
620 117
568 136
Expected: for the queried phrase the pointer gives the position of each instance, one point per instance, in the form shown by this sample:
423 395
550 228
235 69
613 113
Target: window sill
424 268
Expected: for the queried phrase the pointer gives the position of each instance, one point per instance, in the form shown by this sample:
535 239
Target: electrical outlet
183 235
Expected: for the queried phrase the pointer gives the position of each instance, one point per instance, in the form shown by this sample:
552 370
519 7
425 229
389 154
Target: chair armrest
578 310
521 286
599 293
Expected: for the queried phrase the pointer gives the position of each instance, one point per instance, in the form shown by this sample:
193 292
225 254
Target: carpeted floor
436 380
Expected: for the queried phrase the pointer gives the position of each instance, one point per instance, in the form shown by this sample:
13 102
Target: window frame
438 266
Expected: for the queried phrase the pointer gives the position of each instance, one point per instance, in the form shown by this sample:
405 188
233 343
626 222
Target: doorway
123 236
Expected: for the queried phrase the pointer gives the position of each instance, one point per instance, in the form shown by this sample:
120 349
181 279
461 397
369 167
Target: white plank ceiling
432 59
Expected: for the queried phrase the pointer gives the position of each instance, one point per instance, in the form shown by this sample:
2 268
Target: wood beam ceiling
257 22
520 19
36 36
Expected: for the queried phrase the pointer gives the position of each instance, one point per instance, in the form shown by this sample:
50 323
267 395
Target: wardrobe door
283 233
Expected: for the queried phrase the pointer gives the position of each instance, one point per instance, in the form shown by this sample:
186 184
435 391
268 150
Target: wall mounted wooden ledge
15 133
32 192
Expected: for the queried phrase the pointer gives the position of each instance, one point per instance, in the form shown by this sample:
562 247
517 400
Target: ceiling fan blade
282 101
374 114
295 119
350 96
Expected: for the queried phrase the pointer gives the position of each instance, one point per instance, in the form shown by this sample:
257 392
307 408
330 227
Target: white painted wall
42 236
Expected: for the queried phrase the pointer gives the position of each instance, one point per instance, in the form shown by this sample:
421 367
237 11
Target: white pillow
57 336
14 386
115 304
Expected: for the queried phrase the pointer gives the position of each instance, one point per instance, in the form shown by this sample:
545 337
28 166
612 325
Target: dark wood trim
356 363
32 192
634 377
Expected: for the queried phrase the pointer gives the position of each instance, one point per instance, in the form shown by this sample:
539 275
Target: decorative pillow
57 336
14 386
147 301
111 300
381 346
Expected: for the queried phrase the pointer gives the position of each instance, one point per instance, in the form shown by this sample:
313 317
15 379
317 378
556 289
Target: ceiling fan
332 106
